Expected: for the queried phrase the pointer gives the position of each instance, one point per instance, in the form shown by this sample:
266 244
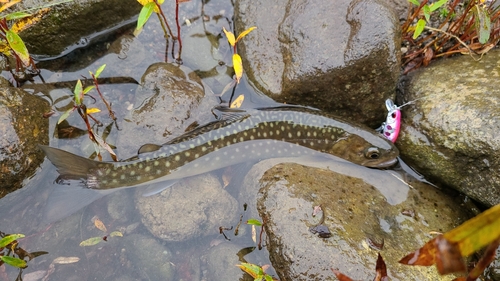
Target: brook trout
240 136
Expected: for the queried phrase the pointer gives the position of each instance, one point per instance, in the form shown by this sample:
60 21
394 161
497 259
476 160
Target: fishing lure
390 128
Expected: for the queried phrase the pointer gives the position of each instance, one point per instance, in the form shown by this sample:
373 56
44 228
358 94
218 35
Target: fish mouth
384 164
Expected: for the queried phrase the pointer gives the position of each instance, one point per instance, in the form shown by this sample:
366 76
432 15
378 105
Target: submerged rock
339 56
191 208
22 128
170 98
362 208
451 133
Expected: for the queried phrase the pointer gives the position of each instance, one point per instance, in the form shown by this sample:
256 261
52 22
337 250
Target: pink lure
390 128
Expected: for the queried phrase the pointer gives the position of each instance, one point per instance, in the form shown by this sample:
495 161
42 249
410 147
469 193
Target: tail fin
69 165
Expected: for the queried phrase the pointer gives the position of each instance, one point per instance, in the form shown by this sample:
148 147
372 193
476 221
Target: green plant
86 113
257 272
13 255
150 6
472 29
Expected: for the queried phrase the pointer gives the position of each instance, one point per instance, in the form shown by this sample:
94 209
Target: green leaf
78 92
414 2
254 222
419 28
88 89
17 45
427 12
253 270
9 239
99 70
482 24
116 233
91 241
65 115
437 5
144 15
268 277
17 15
13 261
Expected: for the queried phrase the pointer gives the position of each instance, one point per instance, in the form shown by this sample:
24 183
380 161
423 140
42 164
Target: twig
458 39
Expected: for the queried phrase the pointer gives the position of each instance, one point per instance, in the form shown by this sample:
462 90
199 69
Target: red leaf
381 270
448 257
423 256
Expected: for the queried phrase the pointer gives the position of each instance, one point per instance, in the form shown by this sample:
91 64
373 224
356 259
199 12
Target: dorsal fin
229 114
148 147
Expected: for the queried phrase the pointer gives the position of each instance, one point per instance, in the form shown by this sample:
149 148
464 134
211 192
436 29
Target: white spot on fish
177 158
156 163
187 153
289 135
167 164
298 134
147 169
132 173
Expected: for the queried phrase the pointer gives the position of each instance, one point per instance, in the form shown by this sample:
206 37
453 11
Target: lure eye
372 153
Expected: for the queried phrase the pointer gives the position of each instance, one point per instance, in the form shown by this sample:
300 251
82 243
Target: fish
238 136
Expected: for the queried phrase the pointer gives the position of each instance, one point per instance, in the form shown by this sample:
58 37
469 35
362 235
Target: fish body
390 128
240 136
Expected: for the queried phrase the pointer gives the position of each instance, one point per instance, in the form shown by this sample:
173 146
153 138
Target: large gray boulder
339 56
451 133
75 24
22 128
362 207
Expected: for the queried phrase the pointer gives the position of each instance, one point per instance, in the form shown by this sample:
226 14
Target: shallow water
22 211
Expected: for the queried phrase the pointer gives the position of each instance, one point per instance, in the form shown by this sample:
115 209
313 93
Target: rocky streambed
339 58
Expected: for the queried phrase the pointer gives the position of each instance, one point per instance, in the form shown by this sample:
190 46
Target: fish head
367 150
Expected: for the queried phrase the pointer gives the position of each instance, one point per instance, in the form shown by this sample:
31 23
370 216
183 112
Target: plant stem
179 60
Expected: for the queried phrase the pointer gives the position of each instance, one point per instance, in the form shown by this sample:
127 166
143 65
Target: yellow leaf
6 6
237 104
28 22
476 233
100 225
244 33
93 110
238 67
230 36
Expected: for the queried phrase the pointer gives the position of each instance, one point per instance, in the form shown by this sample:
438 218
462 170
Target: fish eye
372 153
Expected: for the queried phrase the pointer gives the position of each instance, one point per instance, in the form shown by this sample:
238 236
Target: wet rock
22 128
119 206
151 259
361 207
191 208
75 24
170 98
451 134
220 262
340 56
